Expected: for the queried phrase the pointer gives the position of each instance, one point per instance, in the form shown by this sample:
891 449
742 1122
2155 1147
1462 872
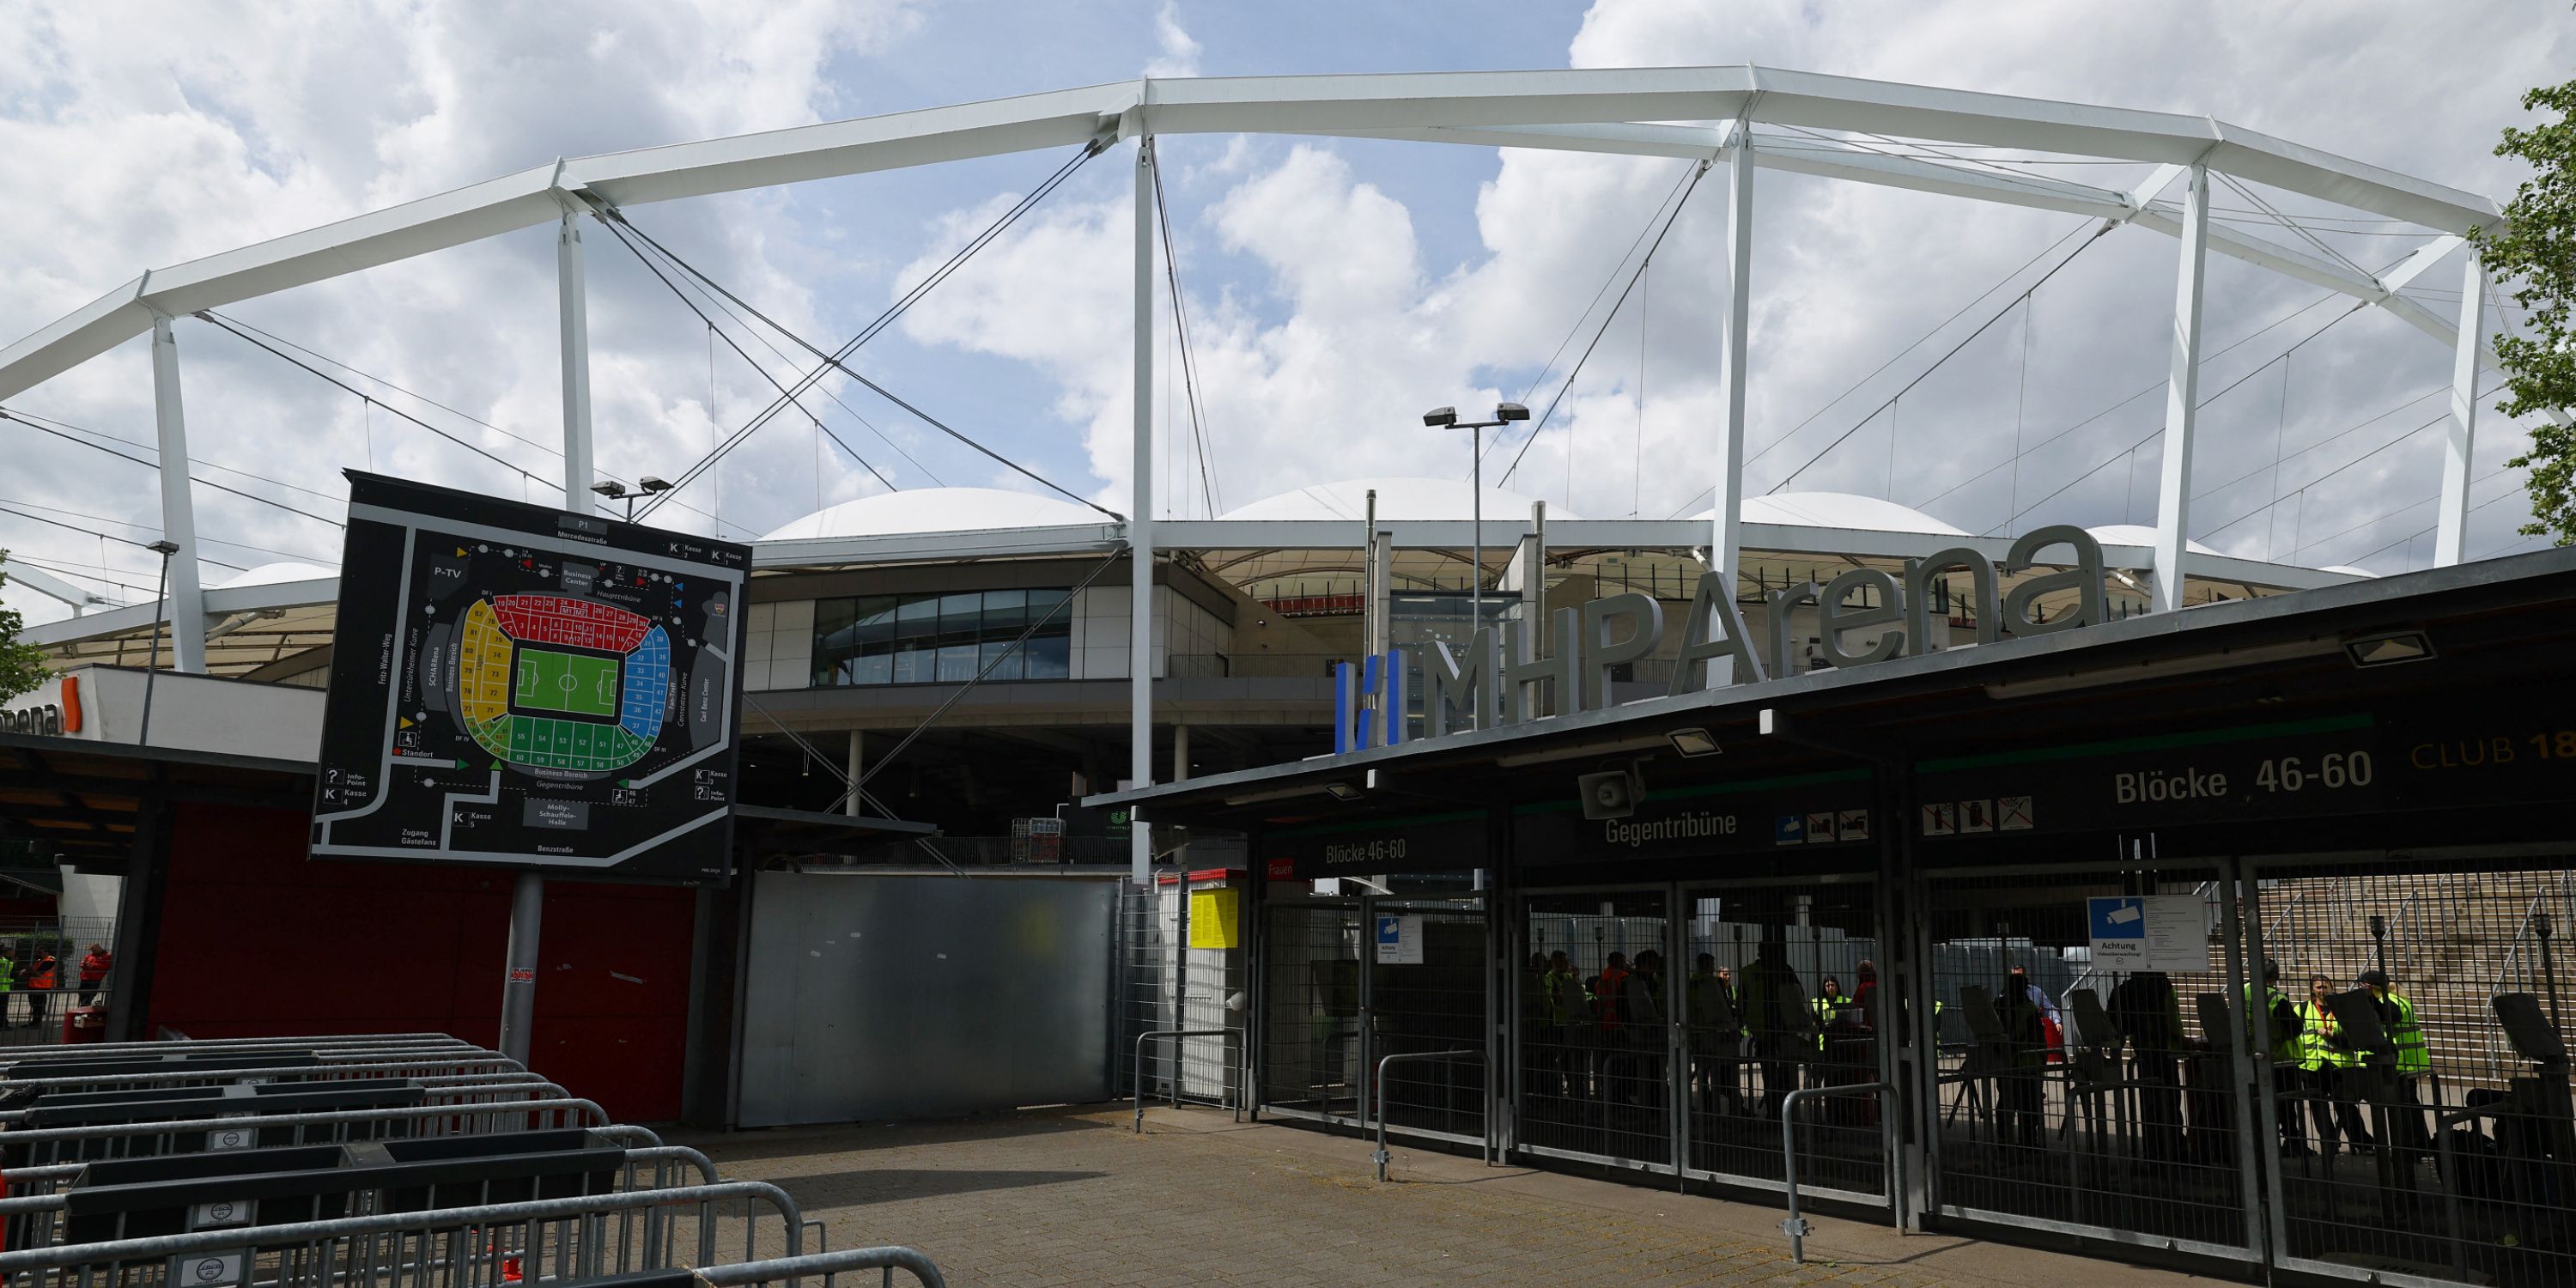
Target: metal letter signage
1509 678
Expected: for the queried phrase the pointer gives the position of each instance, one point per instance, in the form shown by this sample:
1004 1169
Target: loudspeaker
1610 794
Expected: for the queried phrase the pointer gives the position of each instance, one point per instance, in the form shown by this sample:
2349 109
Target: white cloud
1180 54
147 136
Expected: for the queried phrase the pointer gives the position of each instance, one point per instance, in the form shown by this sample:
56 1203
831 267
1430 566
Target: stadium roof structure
1741 119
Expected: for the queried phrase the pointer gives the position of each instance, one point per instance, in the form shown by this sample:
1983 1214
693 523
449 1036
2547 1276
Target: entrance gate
2080 1097
2173 1103
1709 997
1347 983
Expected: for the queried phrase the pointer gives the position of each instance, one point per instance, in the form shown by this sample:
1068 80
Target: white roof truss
1605 110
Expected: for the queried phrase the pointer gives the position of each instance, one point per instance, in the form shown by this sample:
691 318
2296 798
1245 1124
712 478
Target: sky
1334 288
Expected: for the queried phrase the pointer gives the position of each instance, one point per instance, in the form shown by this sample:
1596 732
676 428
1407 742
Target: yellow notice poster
1213 921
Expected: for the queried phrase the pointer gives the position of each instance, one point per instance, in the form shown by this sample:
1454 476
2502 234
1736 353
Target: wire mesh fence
1595 1066
2076 1093
2425 1121
1169 985
1426 998
1782 993
1313 1054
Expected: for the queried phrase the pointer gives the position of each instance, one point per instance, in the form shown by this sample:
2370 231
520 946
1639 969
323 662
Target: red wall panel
256 940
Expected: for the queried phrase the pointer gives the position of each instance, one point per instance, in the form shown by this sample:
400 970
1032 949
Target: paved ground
1069 1197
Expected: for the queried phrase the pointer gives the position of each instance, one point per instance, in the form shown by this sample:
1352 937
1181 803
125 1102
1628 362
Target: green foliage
2537 247
22 666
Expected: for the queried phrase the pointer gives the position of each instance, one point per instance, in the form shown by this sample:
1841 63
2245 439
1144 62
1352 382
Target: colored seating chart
562 683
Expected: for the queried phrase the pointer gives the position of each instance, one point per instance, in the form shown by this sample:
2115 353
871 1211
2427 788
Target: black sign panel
1447 842
1791 814
2457 755
525 686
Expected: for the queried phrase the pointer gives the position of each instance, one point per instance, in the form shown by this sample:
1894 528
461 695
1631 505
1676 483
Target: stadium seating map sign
524 686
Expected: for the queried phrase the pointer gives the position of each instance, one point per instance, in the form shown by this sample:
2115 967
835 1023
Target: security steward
2414 1061
2333 1072
2287 1054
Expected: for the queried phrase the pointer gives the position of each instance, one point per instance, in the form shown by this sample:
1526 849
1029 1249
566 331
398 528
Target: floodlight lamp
1695 742
652 484
1342 791
611 489
164 548
1440 417
1511 411
2388 647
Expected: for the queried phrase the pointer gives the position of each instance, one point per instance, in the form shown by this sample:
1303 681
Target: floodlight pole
1140 526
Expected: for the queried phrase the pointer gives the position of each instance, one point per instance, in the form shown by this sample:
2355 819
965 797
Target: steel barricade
49 1145
44 1219
1795 1226
827 1265
1150 1035
120 1050
476 1247
484 1065
1382 1157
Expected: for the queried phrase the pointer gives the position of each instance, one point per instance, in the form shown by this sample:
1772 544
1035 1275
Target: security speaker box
1612 793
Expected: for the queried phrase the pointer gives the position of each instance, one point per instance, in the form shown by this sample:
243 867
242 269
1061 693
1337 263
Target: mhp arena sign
1501 679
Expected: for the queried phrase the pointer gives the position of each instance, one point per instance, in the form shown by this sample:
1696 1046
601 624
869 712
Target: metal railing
46 1145
473 1247
1795 1226
1382 1157
1151 1035
885 1260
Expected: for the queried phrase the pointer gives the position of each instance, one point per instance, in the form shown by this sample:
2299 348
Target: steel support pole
1725 524
573 315
2459 448
187 600
2182 397
519 981
1140 525
851 804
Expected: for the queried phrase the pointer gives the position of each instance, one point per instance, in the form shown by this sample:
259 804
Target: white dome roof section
2138 534
1838 510
272 574
1397 498
936 509
2349 571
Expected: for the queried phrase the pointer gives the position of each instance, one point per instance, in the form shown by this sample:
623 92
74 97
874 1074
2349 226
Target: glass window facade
941 638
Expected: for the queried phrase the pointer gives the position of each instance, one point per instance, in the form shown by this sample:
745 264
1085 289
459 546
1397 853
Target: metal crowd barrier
145 1197
195 1139
1382 1157
828 1265
556 1240
37 1147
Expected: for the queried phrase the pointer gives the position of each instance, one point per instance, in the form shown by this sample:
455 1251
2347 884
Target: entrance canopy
2412 710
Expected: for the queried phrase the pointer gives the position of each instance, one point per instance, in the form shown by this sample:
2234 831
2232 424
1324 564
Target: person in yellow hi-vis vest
8 981
2333 1070
2287 1079
2414 1060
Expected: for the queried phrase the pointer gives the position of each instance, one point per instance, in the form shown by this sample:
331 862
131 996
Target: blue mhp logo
1368 703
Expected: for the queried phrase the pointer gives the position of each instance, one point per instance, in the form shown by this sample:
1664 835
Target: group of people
1603 1036
2324 1072
2334 1065
38 976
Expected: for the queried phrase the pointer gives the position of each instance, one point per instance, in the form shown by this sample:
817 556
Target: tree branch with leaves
2536 247
22 666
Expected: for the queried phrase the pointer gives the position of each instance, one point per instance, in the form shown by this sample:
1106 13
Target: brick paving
1069 1197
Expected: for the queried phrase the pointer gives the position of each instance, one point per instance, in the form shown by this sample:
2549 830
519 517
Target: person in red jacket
93 974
